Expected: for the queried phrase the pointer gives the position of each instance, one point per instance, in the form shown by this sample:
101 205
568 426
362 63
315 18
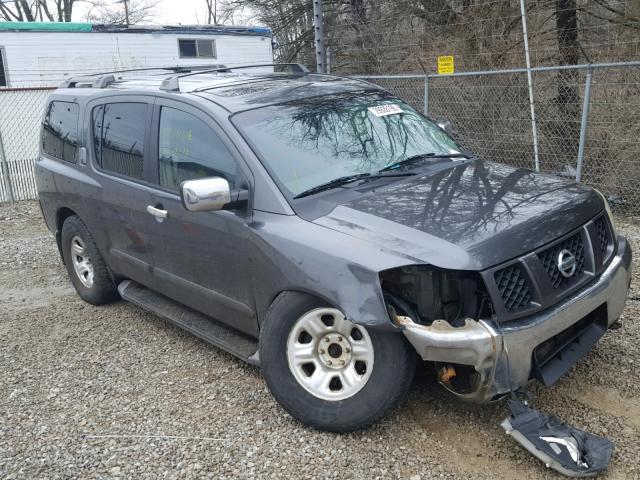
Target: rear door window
119 136
188 149
60 131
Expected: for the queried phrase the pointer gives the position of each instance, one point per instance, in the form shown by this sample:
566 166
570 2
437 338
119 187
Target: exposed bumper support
482 345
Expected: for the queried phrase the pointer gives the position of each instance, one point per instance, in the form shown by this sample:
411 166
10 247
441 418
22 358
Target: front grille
603 234
513 287
549 260
532 282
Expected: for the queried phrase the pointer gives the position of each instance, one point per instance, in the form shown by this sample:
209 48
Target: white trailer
38 54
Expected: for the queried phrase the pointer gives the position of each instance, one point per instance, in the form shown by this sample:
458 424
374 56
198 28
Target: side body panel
120 209
64 186
200 257
113 208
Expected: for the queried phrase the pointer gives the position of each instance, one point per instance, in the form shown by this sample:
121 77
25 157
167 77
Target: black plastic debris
570 451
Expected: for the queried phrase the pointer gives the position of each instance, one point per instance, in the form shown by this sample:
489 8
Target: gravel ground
114 391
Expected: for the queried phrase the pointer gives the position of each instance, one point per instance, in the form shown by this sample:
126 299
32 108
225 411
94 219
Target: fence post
6 180
426 96
583 124
319 36
534 129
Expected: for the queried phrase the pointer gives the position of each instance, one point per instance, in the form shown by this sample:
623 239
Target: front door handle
156 212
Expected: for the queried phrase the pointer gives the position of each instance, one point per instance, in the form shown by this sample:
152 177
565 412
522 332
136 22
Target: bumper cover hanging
568 450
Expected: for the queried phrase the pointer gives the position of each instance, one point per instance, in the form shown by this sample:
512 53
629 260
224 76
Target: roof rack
172 84
104 79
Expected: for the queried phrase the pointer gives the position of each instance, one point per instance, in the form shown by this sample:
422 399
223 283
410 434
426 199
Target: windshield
313 141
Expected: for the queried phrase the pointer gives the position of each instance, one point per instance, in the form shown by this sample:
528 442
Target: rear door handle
156 212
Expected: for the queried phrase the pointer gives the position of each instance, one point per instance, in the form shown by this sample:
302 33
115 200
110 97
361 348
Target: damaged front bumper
503 358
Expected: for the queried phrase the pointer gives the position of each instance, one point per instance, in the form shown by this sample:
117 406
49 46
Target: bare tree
121 12
218 12
291 22
18 11
34 10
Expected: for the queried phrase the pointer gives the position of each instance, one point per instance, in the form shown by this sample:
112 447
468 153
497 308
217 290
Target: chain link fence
490 113
21 111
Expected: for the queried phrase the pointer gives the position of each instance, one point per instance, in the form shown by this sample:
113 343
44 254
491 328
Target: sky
181 11
172 12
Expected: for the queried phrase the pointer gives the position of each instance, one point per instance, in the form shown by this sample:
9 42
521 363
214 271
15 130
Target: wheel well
61 215
276 298
262 311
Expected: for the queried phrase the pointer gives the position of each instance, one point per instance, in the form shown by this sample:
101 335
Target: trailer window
197 48
3 75
60 131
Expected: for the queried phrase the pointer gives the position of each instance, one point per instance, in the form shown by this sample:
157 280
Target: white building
43 54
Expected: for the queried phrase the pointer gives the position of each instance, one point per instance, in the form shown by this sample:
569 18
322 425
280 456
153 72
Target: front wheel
328 372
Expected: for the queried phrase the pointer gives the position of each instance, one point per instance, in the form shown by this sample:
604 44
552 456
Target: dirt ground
114 391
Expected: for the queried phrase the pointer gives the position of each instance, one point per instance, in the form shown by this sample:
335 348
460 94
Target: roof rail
92 81
174 68
172 84
104 79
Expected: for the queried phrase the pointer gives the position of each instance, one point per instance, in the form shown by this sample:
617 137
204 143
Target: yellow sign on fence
445 64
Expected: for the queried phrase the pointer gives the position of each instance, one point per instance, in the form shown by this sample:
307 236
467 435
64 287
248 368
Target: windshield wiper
421 157
338 182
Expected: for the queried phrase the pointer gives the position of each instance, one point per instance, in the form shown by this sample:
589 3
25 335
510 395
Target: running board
196 323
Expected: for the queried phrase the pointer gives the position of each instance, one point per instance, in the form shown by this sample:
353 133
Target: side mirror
205 194
447 127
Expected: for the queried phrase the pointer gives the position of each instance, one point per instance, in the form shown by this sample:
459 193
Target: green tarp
47 26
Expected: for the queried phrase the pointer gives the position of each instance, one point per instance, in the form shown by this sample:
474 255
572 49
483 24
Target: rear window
60 131
118 138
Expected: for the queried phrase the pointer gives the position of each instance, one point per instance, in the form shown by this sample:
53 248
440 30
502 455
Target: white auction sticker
383 110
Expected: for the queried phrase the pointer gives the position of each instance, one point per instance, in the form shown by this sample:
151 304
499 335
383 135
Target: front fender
289 253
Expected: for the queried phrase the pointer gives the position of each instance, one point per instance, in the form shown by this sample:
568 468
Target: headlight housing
614 231
427 293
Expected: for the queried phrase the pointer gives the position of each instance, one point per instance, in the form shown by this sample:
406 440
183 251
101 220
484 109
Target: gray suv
325 230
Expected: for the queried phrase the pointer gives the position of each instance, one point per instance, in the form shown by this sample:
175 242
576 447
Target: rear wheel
328 372
85 266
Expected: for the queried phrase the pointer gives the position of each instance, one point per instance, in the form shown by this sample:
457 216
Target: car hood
471 216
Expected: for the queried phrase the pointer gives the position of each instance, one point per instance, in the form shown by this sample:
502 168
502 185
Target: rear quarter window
60 131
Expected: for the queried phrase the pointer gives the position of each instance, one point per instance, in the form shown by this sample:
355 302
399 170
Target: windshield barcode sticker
383 110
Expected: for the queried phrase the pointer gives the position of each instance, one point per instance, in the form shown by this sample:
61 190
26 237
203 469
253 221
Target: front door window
189 149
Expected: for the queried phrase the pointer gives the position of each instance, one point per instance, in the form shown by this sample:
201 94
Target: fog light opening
460 379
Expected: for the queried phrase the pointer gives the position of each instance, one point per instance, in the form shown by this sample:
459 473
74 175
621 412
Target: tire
85 266
378 387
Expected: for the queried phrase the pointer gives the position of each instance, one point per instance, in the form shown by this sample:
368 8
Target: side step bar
196 323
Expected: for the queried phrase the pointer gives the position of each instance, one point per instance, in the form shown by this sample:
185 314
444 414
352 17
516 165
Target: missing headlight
426 294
